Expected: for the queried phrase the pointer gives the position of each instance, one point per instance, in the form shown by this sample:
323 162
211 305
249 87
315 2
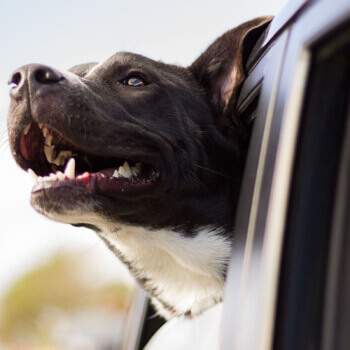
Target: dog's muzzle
35 78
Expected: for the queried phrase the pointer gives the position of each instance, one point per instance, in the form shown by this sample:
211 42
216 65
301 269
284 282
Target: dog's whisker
198 180
3 149
5 142
212 171
94 245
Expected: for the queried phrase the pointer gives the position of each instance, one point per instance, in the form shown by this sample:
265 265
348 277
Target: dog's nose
33 77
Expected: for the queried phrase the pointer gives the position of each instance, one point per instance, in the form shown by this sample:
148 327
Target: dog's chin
64 203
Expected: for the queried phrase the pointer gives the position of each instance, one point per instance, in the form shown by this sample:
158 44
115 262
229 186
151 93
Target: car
288 281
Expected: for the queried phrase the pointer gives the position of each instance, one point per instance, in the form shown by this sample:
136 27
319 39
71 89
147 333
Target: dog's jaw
183 274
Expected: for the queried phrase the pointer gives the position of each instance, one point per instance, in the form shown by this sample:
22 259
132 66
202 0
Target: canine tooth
50 154
45 131
103 175
33 175
60 175
115 174
40 125
69 170
26 129
48 140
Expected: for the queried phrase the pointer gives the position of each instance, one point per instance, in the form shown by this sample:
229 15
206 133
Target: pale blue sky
68 32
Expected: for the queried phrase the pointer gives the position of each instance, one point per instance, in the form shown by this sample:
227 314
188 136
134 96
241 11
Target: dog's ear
220 69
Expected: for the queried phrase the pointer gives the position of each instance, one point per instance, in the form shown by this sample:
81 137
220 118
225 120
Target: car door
289 274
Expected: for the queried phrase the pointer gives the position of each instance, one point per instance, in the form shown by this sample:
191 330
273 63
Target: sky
69 32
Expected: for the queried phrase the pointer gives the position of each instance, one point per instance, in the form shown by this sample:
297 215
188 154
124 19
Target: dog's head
133 140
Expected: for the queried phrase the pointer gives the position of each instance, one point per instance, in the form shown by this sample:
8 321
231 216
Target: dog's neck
187 213
183 275
183 270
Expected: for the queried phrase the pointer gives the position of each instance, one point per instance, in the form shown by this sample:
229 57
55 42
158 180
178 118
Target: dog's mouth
53 162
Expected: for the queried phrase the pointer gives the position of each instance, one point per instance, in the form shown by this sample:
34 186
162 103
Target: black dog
149 155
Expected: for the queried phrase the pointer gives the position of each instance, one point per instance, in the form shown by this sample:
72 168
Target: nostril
44 76
15 79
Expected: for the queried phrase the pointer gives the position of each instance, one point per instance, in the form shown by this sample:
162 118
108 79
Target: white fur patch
185 272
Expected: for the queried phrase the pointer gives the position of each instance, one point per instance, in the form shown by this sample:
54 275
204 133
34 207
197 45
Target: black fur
167 123
182 122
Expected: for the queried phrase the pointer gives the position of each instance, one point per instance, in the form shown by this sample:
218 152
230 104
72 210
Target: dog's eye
134 81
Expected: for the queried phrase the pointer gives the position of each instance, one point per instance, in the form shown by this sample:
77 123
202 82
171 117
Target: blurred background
60 287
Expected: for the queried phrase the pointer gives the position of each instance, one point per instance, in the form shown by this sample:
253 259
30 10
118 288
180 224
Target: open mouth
54 161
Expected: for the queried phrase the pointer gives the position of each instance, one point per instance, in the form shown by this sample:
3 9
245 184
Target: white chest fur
183 272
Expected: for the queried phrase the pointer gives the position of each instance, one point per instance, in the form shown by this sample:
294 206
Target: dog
149 155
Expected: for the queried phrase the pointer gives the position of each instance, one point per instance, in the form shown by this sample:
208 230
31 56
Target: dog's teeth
126 166
60 175
122 172
48 140
103 175
115 174
52 177
134 171
33 175
50 153
69 171
62 157
40 125
57 161
45 131
26 129
125 170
